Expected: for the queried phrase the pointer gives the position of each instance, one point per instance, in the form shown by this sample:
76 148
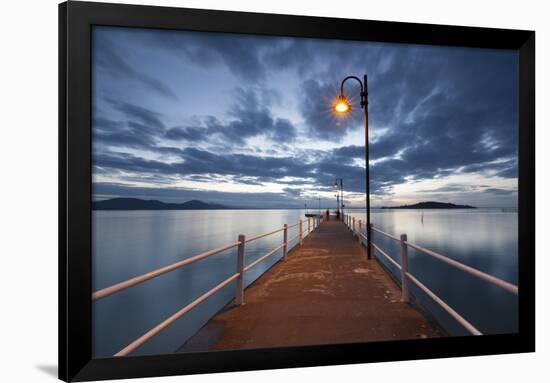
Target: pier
327 289
326 292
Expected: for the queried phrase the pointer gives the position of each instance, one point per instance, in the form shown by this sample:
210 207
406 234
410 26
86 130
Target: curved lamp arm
348 78
363 88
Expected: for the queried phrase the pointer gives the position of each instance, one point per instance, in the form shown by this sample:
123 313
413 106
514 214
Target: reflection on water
129 243
485 239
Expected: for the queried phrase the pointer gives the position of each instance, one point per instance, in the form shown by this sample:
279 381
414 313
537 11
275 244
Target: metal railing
406 276
312 224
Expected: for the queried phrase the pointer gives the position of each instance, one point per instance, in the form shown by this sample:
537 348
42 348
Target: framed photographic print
247 191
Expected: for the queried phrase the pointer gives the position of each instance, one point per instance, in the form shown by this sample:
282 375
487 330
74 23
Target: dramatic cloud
315 109
107 59
243 56
224 115
250 118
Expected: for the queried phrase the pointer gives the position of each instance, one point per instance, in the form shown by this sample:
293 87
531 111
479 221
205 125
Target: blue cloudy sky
246 120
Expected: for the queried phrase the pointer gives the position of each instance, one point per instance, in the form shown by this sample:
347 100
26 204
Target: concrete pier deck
326 292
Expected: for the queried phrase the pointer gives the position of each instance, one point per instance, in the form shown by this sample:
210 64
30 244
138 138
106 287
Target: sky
246 120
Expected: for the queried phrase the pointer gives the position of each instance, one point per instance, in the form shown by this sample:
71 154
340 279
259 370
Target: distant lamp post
342 106
339 182
319 211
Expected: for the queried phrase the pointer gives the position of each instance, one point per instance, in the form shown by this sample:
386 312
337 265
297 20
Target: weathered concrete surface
326 292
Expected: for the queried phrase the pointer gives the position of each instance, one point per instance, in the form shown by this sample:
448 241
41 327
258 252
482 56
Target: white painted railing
312 224
407 277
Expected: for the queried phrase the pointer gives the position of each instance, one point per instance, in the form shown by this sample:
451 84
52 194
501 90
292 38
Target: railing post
404 269
239 294
308 226
285 241
359 238
353 229
301 234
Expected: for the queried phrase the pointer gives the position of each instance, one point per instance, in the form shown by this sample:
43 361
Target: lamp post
343 106
319 211
340 182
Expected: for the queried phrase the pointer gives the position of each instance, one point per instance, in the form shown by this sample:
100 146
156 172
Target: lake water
486 239
129 243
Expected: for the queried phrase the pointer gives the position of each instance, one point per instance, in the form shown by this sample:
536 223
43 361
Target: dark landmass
142 204
431 205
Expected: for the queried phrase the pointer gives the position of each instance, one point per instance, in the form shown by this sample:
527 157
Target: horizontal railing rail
293 238
386 234
264 257
406 276
312 223
468 269
161 326
265 234
155 273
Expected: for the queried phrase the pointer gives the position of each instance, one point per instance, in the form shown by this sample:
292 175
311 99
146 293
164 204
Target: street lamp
319 211
340 182
343 106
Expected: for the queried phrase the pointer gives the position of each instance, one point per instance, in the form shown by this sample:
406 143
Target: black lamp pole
342 196
364 106
340 182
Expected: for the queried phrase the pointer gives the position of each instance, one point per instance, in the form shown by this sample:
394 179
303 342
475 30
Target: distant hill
142 204
431 205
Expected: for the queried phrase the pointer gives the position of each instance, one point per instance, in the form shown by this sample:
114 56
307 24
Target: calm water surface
485 239
129 243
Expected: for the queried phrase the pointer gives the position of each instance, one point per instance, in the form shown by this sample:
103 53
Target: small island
143 204
431 205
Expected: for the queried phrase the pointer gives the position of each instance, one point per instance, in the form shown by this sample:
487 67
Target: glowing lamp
342 105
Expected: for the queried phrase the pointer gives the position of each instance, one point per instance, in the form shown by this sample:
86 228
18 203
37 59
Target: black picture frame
75 305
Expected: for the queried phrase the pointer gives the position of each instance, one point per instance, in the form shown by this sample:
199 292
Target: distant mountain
431 205
142 204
